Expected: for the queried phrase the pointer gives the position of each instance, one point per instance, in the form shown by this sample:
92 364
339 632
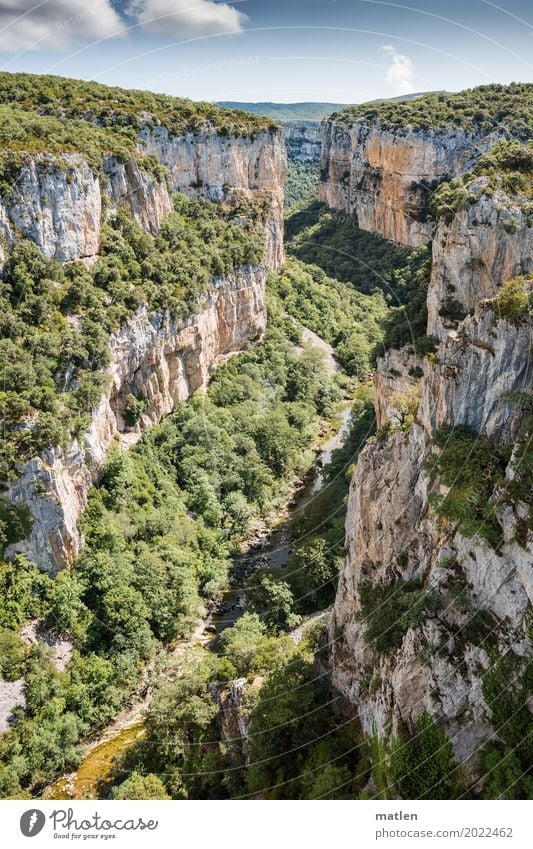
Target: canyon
463 594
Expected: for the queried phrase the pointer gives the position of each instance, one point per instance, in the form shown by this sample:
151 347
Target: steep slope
383 160
76 158
432 616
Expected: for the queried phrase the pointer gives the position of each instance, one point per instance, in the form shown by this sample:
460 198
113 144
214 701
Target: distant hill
307 111
287 111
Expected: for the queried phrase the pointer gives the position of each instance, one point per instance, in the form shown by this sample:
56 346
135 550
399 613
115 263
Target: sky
341 51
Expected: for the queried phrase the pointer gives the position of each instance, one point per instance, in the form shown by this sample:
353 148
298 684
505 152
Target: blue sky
285 50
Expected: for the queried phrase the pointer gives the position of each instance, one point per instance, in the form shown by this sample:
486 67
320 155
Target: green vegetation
508 165
320 236
406 324
285 111
389 610
160 532
56 320
301 183
452 197
471 467
116 107
422 765
141 787
508 108
349 321
297 748
507 762
396 278
514 300
24 134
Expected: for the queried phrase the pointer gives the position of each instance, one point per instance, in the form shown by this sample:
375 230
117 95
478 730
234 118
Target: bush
135 407
140 787
471 467
513 301
422 764
389 610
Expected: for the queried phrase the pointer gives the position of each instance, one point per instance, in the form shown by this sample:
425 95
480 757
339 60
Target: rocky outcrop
234 716
11 697
226 169
479 369
59 202
398 372
386 176
487 243
303 140
477 372
55 202
147 199
158 358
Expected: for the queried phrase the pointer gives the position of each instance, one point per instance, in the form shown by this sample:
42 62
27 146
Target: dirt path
311 338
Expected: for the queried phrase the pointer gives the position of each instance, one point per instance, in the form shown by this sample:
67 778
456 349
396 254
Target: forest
192 515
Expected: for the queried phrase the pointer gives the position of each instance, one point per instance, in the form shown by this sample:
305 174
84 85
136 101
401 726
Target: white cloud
55 24
186 18
401 71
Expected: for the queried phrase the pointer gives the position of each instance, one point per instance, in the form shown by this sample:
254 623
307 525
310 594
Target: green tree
140 787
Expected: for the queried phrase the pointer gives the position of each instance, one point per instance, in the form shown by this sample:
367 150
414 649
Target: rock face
227 169
234 718
59 202
483 245
153 356
385 176
303 140
392 533
147 200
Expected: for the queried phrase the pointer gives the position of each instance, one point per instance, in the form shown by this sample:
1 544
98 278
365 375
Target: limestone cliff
485 244
153 356
476 378
303 140
227 169
60 201
385 176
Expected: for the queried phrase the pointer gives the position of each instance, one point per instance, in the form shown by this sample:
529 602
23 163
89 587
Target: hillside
310 111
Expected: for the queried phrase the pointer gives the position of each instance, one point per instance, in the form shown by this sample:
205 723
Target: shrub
471 467
513 301
389 610
422 765
134 409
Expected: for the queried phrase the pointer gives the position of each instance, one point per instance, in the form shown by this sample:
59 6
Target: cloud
55 24
401 71
186 18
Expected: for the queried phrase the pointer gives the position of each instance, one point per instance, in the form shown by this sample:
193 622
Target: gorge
411 678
